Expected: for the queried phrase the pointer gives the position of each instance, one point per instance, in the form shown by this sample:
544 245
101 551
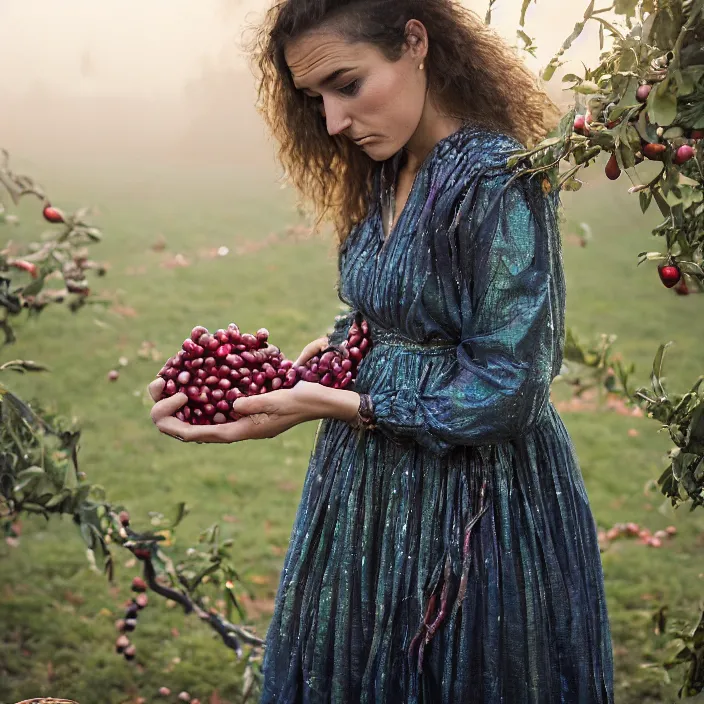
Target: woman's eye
350 88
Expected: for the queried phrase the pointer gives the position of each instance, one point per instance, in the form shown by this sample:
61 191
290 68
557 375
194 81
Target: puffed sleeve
511 302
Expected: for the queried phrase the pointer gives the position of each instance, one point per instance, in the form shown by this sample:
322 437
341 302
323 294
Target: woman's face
362 95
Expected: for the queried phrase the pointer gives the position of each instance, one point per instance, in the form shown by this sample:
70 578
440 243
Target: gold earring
422 66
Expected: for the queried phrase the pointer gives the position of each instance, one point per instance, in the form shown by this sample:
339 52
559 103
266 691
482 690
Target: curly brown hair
473 76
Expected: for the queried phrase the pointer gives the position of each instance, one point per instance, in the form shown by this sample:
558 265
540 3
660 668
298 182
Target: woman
444 549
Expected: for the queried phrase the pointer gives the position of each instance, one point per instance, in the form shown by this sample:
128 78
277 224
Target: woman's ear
416 36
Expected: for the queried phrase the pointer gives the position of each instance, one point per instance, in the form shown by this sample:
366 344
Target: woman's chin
376 149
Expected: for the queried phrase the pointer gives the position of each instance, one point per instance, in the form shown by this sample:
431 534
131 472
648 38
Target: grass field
56 616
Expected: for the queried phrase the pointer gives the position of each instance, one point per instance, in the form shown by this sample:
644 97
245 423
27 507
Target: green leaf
550 69
571 78
662 203
656 375
626 7
56 499
34 287
524 9
33 471
646 198
181 513
528 41
27 477
587 88
34 508
662 104
70 479
695 434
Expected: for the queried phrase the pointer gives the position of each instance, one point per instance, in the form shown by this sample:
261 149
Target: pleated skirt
413 578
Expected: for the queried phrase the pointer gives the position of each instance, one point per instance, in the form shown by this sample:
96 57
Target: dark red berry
643 92
670 274
53 215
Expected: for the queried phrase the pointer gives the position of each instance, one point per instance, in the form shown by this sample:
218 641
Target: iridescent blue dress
450 555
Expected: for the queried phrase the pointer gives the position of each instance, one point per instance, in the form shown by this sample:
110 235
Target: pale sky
103 80
152 47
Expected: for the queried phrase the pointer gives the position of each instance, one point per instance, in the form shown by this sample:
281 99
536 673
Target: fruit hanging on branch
60 255
214 370
645 100
670 274
612 168
654 151
683 155
643 92
53 215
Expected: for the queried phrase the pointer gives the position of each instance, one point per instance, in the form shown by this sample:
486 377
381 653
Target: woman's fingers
167 407
311 350
175 428
156 388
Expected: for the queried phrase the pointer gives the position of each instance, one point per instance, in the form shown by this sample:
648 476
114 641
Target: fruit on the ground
130 652
121 643
670 274
643 92
184 696
613 171
139 585
653 150
683 154
130 624
53 215
633 530
214 370
113 375
164 691
142 600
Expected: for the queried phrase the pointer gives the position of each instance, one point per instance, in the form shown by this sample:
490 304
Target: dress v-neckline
388 204
388 224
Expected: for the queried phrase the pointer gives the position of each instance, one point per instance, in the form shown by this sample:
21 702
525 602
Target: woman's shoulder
488 148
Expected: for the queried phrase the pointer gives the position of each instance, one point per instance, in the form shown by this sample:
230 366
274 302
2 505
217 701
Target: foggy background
143 81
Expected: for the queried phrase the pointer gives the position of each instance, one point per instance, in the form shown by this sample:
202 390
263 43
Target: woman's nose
336 119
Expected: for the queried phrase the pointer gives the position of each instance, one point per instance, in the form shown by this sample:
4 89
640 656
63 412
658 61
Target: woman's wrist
339 404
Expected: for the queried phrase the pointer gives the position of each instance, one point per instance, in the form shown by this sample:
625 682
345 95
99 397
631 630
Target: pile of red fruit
214 370
337 366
